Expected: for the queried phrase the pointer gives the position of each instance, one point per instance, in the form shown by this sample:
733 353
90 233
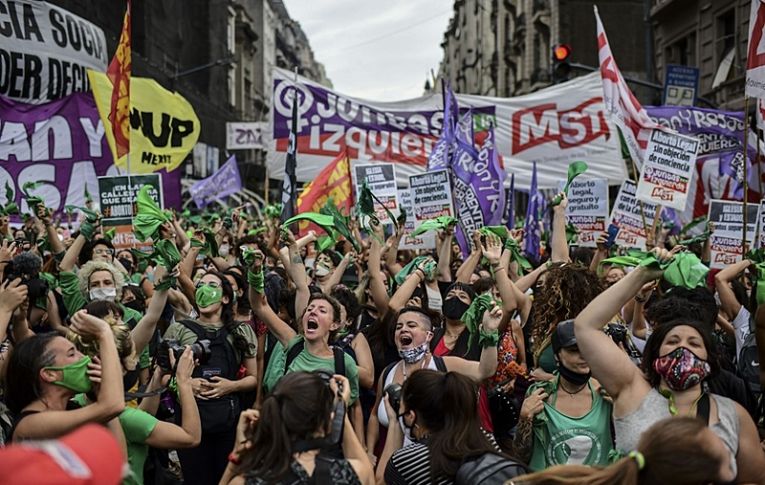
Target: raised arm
296 271
376 284
146 327
559 242
445 255
71 255
499 260
468 265
391 252
337 273
729 305
44 214
281 330
404 292
601 253
487 366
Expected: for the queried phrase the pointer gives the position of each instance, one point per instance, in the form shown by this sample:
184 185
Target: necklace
572 394
424 359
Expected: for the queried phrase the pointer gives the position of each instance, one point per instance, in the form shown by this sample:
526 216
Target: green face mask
75 376
207 295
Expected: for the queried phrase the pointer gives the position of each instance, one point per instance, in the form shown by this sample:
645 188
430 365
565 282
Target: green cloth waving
429 269
758 259
685 269
149 216
575 169
472 317
440 222
10 207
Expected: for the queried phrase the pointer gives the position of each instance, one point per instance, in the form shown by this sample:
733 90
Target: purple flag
533 230
226 181
510 204
439 156
62 145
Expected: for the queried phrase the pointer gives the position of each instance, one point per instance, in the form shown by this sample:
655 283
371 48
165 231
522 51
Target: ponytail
272 461
623 472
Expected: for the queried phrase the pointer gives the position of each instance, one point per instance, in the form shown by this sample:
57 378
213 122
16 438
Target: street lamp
226 61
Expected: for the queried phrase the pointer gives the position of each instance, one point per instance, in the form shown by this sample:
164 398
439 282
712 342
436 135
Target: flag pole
746 182
640 202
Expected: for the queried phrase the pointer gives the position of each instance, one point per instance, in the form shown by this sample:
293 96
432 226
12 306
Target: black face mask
127 264
454 308
574 378
136 305
129 379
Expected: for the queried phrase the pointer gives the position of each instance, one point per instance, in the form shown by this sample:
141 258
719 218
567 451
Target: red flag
621 105
334 181
119 74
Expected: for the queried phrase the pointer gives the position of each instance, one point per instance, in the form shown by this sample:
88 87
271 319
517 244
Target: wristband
256 280
87 229
488 339
233 458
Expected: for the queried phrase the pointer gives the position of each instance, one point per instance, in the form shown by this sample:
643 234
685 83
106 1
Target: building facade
219 55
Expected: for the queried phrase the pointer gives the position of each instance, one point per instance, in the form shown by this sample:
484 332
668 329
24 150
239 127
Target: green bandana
429 269
10 207
33 200
517 256
149 216
685 270
473 315
440 222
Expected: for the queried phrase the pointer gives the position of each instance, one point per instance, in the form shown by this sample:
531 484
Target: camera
394 395
200 350
26 266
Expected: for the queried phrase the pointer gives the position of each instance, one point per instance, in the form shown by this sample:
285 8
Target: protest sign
431 196
46 51
668 169
423 241
124 238
761 225
381 180
588 209
552 126
62 145
219 185
117 195
627 216
725 241
681 85
245 135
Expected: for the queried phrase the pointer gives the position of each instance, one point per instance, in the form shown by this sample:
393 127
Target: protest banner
163 126
117 195
627 216
552 126
725 240
431 196
219 185
245 135
761 225
423 241
670 161
755 58
588 209
381 180
62 145
46 51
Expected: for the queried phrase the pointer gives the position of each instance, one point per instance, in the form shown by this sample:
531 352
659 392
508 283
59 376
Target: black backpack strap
387 371
222 332
292 353
321 474
198 330
438 332
339 360
702 409
440 364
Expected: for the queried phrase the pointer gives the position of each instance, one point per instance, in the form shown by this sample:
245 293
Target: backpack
748 362
488 469
222 414
295 350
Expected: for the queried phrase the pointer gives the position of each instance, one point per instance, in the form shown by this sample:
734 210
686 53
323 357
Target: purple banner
62 145
226 181
439 156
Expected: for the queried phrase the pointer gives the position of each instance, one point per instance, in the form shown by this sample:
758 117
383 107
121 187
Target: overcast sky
372 49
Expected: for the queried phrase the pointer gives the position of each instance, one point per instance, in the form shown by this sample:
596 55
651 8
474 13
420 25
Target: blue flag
534 212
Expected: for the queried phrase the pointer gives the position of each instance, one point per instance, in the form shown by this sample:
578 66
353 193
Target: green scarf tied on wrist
517 255
430 269
685 270
366 207
757 257
474 314
166 254
88 226
149 216
440 222
572 233
10 208
256 280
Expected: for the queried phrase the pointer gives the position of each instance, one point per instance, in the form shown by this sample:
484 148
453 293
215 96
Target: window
725 39
682 51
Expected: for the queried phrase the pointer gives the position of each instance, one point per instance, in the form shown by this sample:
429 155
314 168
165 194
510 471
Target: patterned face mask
415 354
681 369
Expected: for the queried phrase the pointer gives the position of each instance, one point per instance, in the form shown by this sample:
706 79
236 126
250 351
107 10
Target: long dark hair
652 349
446 404
22 378
299 406
227 313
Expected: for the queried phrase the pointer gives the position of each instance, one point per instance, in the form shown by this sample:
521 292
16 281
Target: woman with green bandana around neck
214 383
44 373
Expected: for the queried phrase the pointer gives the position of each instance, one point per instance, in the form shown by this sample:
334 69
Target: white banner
246 135
629 216
553 127
423 241
431 196
755 58
725 241
381 180
667 175
45 51
588 208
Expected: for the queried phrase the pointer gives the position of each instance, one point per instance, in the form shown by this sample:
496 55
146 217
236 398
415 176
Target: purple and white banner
226 181
62 145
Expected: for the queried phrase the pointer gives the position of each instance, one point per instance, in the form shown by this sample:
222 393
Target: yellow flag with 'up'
163 125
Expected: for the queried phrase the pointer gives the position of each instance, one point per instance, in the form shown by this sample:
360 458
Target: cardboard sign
381 179
423 241
117 198
667 174
588 209
626 214
431 195
725 241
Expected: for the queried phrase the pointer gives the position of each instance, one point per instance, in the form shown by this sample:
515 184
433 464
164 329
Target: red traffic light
561 52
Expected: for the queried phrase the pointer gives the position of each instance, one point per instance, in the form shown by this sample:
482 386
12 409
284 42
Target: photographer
223 346
286 442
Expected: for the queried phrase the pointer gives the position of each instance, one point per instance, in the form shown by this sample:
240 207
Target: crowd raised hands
230 348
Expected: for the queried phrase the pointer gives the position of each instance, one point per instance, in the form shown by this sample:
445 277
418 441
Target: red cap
88 455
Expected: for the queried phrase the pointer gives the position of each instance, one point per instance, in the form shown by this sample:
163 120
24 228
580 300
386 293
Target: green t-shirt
305 361
137 426
186 336
560 439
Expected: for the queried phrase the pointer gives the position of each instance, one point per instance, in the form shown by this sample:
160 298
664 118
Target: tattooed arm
524 436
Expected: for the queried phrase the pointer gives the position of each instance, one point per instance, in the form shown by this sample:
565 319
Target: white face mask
321 270
99 294
223 250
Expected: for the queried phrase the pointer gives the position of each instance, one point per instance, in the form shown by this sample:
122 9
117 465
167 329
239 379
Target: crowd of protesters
242 350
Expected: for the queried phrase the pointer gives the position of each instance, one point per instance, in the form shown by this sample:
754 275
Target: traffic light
561 67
